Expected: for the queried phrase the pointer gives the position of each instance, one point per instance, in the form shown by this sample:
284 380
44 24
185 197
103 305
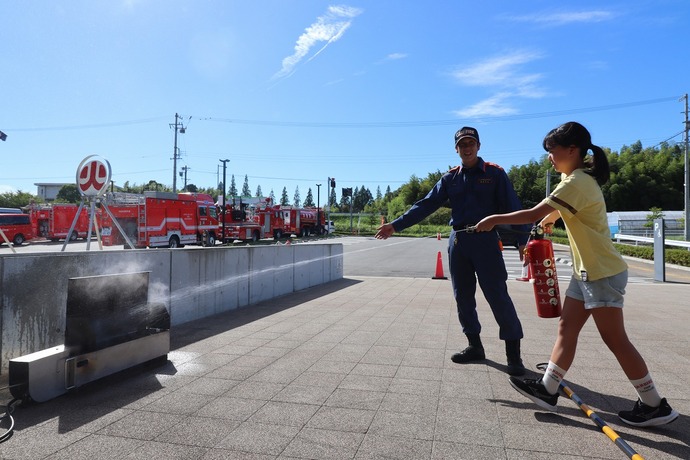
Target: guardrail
645 239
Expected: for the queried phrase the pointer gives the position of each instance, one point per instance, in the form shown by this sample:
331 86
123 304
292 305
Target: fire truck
53 221
288 220
161 219
253 219
244 220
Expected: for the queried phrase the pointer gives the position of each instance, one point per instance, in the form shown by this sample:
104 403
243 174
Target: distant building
635 223
49 191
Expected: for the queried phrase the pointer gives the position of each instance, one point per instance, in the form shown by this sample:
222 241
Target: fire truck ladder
141 228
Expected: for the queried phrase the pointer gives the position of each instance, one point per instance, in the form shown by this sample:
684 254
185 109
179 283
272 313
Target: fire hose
613 436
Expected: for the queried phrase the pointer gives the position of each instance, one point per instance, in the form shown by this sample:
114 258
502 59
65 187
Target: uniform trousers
478 256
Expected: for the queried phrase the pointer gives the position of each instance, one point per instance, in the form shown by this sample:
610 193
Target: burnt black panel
106 310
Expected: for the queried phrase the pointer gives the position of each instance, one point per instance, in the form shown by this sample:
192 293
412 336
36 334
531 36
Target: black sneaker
644 415
535 391
468 355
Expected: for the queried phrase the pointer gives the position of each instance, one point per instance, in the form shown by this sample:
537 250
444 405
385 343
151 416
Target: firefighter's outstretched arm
384 231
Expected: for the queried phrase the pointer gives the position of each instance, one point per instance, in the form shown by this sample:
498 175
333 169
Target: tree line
641 179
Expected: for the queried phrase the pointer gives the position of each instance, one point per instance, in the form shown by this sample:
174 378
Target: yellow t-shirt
579 201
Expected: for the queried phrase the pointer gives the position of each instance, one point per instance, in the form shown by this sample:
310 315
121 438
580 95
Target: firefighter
475 189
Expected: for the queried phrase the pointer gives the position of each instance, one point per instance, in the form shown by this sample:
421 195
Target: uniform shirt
580 202
474 193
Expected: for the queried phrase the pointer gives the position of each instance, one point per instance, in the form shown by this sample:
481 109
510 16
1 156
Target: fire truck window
212 212
202 211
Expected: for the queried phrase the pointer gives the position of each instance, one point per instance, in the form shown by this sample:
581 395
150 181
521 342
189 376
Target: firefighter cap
464 132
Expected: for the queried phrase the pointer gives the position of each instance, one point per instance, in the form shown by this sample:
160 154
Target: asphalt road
416 258
398 257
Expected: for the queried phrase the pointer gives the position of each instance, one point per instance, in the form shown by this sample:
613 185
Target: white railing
645 239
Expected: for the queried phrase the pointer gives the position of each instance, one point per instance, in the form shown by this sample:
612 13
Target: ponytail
573 133
598 166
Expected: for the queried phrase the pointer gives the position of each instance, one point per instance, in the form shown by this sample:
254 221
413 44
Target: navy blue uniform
475 193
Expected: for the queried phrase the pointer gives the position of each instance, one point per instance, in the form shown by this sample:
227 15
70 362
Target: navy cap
464 132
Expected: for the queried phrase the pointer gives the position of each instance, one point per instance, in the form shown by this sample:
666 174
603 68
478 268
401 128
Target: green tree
245 187
297 201
258 191
654 213
361 198
529 181
309 200
396 208
17 199
233 188
284 200
332 200
152 185
68 194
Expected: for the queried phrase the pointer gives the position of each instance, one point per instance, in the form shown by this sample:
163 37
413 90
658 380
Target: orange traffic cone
439 268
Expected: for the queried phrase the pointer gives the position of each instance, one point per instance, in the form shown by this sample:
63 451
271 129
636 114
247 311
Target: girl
600 274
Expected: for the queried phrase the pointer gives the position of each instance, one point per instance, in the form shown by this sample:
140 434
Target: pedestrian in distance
599 276
475 189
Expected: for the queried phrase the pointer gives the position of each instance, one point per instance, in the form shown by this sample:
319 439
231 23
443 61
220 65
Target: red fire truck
161 219
288 220
244 220
53 221
253 219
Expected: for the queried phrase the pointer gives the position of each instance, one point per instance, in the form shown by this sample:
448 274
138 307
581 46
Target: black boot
474 352
515 366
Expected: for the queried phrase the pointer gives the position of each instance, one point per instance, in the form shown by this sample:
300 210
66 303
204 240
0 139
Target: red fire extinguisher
542 267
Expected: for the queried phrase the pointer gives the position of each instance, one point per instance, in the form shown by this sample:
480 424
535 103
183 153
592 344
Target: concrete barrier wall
193 284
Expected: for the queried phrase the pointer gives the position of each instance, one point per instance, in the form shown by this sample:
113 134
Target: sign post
93 177
659 251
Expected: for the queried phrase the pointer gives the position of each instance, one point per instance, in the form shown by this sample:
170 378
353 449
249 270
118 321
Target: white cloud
396 56
494 106
501 70
563 18
505 74
327 29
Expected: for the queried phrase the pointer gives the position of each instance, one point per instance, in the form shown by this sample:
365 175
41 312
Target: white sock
647 391
553 376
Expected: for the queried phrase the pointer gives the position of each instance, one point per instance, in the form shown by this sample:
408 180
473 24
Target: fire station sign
93 176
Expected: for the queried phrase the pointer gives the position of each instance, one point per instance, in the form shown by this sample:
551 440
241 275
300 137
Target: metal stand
93 223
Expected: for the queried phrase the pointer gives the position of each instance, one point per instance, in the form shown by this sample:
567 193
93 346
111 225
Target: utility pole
222 229
178 127
687 172
183 170
549 175
330 182
318 208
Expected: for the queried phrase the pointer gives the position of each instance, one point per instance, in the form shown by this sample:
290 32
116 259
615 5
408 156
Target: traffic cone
439 268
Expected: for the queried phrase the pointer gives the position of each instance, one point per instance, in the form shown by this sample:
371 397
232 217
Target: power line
97 125
381 124
454 121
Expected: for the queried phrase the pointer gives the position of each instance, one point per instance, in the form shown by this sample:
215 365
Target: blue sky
295 91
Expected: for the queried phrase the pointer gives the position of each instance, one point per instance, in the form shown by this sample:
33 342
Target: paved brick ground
360 369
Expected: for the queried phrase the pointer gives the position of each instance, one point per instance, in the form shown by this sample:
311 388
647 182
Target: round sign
93 176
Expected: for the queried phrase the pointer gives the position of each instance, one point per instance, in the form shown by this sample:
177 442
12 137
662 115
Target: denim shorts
605 292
